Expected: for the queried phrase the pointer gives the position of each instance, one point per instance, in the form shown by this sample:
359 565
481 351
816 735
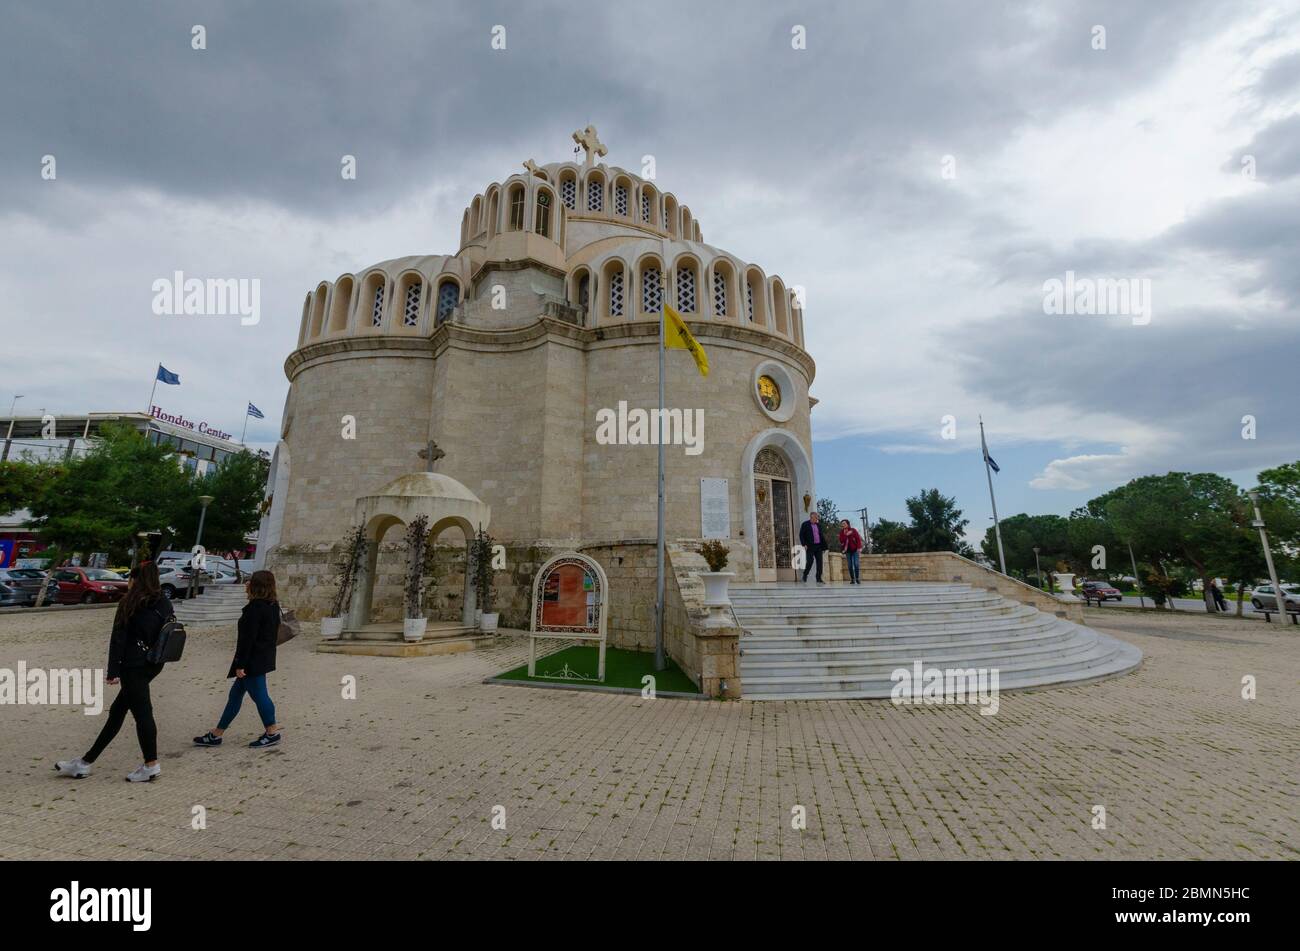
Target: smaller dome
426 485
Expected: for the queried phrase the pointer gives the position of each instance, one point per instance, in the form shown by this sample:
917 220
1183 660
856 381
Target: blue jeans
852 557
255 687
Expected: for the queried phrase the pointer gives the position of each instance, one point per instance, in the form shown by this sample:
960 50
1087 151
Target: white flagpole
245 430
997 527
660 661
149 409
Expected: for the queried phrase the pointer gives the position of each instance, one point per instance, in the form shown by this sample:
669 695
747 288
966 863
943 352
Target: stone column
363 587
467 611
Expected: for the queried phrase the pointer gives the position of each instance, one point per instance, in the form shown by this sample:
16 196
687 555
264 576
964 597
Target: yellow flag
677 337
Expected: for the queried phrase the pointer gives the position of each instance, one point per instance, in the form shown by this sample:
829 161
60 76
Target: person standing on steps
810 536
140 616
851 545
259 628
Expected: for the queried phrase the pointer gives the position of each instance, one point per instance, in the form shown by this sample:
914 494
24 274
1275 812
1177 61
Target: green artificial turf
623 668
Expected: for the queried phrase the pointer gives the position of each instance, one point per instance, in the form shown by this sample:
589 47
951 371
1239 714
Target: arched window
516 208
542 222
377 306
749 301
339 306
649 201
755 298
652 289
448 298
584 290
569 192
670 214
620 199
719 291
494 210
411 306
781 305
688 224
645 208
304 325
595 193
686 287
318 309
616 293
476 216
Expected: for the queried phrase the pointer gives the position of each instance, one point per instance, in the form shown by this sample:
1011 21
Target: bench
1295 615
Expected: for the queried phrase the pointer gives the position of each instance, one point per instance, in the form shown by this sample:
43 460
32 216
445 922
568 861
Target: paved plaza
415 765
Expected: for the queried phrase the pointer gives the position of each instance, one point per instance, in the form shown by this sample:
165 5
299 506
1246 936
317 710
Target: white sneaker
143 774
76 768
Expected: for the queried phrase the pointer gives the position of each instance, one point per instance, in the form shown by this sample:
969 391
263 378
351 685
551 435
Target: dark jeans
133 695
814 554
255 687
852 557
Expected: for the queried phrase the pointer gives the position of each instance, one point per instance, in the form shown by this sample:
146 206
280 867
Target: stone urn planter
413 628
1065 581
715 587
488 621
331 628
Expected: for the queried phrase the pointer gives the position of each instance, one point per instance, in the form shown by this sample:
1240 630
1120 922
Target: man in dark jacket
813 540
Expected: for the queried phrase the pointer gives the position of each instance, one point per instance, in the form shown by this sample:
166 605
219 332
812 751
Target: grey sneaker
143 774
76 768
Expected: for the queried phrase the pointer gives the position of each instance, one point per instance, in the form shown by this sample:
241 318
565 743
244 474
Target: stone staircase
218 604
809 642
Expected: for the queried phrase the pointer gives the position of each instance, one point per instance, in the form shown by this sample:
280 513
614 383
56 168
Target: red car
88 585
1100 592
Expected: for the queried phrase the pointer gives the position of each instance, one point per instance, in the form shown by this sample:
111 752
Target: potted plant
354 549
484 577
415 622
715 579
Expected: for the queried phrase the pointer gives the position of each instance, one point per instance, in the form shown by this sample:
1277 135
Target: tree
891 538
936 523
236 488
1020 533
830 518
23 480
122 486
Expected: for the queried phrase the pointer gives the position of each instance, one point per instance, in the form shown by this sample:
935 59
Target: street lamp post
1278 594
1038 569
9 436
205 501
866 528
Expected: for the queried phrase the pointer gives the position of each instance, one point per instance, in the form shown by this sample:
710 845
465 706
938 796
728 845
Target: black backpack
169 644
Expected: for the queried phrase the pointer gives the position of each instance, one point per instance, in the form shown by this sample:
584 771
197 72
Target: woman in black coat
259 628
140 616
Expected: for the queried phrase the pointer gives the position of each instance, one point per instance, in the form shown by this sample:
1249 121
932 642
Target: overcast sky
1170 156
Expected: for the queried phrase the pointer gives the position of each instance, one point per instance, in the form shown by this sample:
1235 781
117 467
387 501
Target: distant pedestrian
140 616
814 543
1220 601
259 627
851 545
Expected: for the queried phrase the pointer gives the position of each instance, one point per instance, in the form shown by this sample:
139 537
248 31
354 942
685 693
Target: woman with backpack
141 615
259 629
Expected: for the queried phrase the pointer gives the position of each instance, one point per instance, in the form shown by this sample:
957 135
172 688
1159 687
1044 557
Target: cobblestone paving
413 767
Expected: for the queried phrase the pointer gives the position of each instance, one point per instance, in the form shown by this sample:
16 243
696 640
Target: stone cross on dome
587 140
431 454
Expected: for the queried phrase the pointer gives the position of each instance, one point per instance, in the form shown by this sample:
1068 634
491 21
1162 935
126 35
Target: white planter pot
1065 582
331 628
715 587
488 622
413 628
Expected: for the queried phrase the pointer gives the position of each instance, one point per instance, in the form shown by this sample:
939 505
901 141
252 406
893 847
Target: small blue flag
254 412
167 376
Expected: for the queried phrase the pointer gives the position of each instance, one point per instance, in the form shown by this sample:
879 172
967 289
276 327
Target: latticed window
448 298
595 195
749 301
652 290
616 293
645 208
720 293
620 201
569 194
377 310
411 312
686 290
665 216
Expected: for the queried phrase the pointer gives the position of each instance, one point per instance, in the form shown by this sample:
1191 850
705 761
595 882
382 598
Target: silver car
1263 599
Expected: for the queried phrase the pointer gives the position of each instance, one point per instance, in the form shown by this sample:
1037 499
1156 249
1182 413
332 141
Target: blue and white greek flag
256 413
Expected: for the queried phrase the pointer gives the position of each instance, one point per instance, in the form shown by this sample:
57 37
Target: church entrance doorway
774 515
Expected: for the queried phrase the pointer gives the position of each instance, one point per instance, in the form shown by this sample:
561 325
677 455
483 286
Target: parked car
1100 591
88 585
23 585
1263 598
176 580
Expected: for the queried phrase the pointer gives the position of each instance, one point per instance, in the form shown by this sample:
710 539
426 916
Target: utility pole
1136 579
1278 594
866 528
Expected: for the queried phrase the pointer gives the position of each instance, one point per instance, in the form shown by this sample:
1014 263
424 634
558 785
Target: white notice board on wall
715 509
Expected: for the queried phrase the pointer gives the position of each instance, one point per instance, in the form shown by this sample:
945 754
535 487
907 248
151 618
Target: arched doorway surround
443 501
786 472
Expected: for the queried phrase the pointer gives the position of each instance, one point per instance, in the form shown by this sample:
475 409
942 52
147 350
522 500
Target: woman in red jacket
851 545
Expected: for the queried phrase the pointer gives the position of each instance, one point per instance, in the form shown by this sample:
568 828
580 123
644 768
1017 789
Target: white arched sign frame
540 631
